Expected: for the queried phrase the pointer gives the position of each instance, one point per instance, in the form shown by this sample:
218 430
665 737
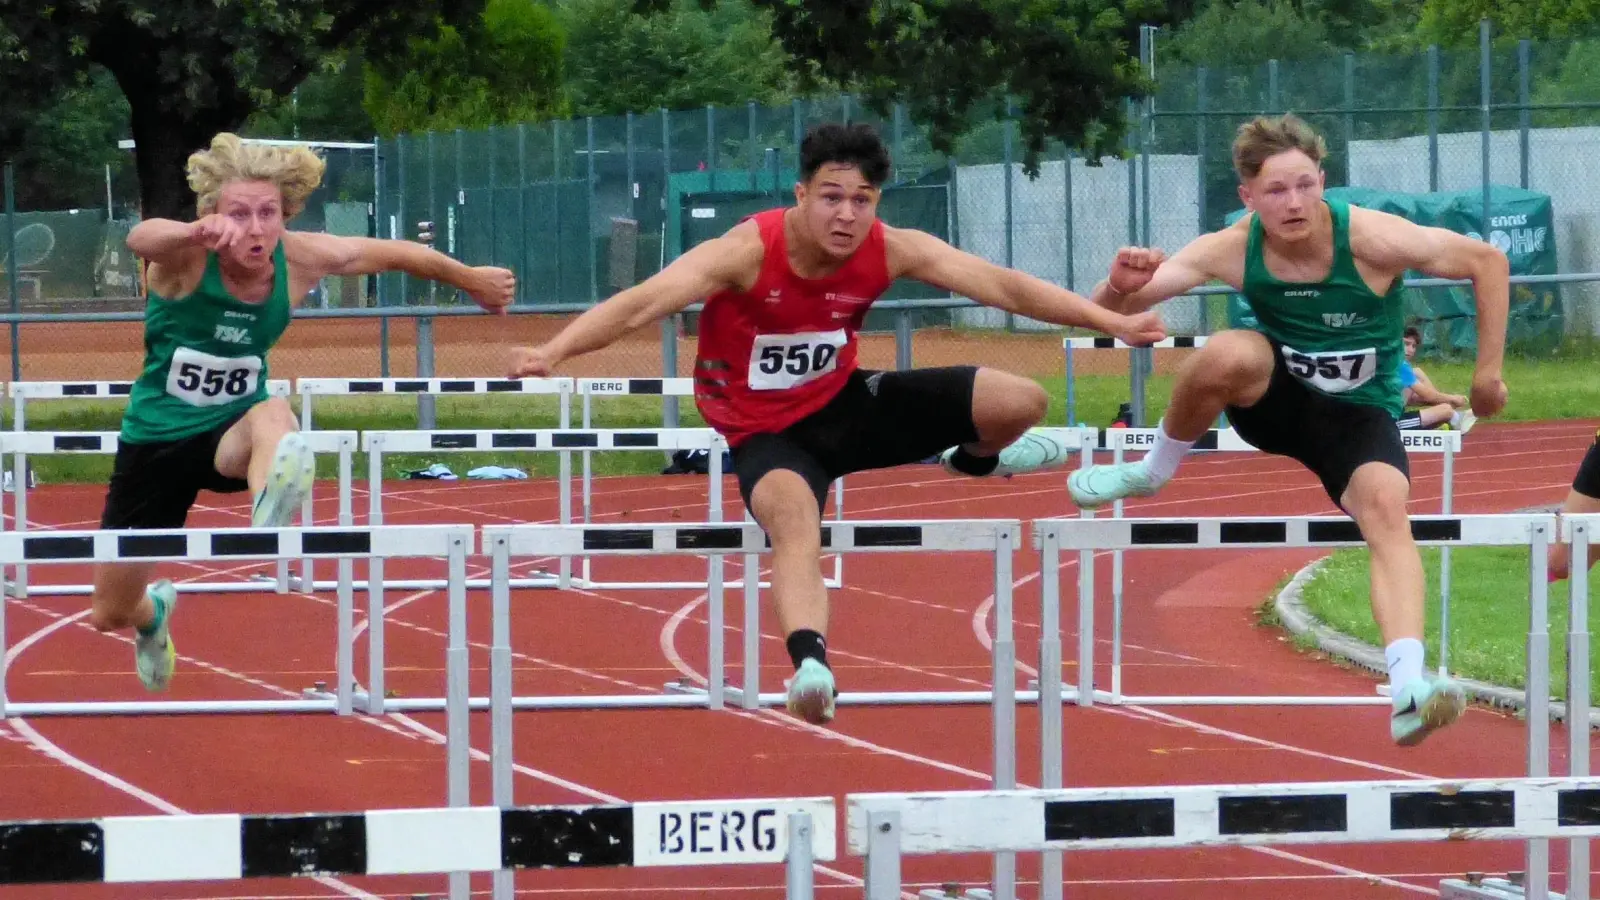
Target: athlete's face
1286 195
838 206
256 209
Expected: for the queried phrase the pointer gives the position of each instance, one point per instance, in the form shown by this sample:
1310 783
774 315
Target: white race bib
201 379
1333 371
780 361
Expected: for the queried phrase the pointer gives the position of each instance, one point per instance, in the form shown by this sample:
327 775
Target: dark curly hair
857 145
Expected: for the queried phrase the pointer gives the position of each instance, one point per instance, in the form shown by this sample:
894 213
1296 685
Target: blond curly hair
296 171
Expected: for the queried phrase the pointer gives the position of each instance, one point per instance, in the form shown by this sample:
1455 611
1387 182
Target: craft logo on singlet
1309 292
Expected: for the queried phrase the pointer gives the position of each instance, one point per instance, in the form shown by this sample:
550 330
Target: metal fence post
11 271
1485 98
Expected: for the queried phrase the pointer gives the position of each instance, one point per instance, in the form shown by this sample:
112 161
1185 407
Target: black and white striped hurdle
884 828
345 544
23 391
309 388
794 833
1101 342
1226 440
1086 536
20 445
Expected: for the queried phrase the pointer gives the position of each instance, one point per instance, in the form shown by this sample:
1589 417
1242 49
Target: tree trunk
164 143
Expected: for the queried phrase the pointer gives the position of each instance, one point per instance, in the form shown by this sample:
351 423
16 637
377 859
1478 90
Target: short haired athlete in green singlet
220 293
1318 379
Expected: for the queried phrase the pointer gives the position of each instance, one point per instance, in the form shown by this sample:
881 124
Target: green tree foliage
503 67
1069 66
67 145
189 68
620 61
1454 23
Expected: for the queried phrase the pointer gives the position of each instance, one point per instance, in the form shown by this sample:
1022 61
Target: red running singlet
771 356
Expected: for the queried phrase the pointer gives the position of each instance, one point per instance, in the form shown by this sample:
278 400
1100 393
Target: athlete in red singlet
776 371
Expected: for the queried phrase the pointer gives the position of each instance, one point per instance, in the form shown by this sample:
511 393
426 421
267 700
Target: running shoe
1423 706
288 482
1094 486
153 654
1036 450
811 692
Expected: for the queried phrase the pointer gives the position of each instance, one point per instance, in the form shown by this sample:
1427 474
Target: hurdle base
1477 887
734 696
35 710
1198 700
954 892
256 585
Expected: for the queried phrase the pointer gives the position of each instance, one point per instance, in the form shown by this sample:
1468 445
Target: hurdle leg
19 503
798 861
1444 565
458 736
564 573
882 869
1538 677
1578 700
716 653
751 681
1005 703
1116 602
375 599
1050 699
838 516
588 577
500 719
345 657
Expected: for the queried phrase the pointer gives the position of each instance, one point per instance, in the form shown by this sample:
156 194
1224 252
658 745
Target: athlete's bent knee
1376 498
1233 361
783 504
1006 404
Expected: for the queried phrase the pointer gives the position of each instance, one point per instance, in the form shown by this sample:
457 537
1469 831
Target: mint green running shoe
1423 706
1094 486
154 655
811 692
288 482
1035 451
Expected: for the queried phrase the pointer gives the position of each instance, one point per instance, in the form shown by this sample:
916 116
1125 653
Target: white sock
1165 454
1405 661
1455 420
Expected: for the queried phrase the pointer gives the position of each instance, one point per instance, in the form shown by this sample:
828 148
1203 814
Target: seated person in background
1437 407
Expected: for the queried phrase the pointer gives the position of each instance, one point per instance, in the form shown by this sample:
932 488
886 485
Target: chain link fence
582 208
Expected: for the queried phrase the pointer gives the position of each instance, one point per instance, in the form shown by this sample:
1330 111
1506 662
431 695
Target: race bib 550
779 361
1334 371
201 379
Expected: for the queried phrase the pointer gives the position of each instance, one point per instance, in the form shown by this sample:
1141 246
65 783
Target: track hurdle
23 391
19 445
1227 440
792 832
589 388
1108 343
885 828
996 538
342 543
1085 536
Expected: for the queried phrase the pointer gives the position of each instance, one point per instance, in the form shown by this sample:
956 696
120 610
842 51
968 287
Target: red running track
901 622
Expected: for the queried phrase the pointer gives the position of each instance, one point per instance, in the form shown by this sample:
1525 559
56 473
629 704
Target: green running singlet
205 357
1336 335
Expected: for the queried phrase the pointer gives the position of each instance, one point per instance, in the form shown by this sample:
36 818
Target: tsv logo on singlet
781 361
1333 371
201 379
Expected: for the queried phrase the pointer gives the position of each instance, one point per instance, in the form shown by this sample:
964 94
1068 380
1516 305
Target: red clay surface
901 622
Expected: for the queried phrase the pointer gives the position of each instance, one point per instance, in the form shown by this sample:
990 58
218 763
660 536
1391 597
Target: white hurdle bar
19 445
1227 440
23 391
999 538
1085 536
884 828
342 543
589 388
792 832
1070 344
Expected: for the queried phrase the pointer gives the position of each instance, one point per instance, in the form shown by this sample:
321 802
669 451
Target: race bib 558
1334 371
201 379
779 361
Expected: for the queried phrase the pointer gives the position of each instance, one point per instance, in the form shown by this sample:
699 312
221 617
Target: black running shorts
1329 436
1587 481
154 485
878 420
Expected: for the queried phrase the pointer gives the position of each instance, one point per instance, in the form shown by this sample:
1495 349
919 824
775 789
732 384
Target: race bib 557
1334 371
201 379
779 361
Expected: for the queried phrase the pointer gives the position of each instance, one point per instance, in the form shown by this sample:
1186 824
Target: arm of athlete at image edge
491 287
700 272
1399 244
930 260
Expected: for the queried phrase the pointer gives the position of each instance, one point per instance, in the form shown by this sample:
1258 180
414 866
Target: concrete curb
1291 610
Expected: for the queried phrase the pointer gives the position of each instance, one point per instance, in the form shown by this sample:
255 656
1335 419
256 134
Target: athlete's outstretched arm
491 287
1397 244
919 255
1142 277
703 270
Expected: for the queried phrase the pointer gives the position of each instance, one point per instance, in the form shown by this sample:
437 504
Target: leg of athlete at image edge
1584 497
1355 451
154 485
976 420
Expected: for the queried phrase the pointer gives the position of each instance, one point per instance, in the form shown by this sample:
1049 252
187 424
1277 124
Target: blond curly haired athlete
219 294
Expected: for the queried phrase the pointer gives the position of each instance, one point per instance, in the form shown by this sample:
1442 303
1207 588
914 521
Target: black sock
807 644
965 462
